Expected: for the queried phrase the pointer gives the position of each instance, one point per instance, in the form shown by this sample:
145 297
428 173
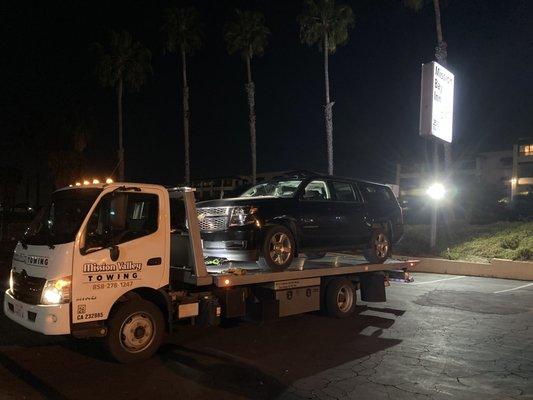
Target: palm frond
123 59
324 17
182 29
247 33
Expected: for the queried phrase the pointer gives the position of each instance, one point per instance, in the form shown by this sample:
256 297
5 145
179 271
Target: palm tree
441 54
183 35
247 34
124 64
326 24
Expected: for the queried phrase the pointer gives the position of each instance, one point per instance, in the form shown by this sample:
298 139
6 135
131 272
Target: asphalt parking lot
440 337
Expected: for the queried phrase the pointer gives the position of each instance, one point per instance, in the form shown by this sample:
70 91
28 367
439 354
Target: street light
436 191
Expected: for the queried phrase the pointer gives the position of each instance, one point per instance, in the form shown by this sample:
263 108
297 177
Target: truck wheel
277 251
340 298
379 248
135 331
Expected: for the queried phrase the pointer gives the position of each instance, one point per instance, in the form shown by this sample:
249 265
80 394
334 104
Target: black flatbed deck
238 274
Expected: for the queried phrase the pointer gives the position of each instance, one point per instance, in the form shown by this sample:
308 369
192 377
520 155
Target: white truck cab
123 261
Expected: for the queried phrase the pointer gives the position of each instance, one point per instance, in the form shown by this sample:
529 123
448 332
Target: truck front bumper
49 320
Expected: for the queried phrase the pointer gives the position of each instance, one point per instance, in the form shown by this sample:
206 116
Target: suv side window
121 217
316 191
376 194
344 191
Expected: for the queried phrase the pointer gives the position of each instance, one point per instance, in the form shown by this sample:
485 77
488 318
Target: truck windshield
274 189
60 220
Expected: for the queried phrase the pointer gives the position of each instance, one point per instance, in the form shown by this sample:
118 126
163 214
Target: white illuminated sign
436 102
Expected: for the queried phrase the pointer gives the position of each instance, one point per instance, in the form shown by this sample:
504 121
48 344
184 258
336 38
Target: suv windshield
59 222
274 188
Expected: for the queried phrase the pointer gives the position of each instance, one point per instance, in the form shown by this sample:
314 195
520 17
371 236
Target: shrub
524 254
510 242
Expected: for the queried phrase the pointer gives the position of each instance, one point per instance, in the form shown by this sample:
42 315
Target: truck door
352 215
122 246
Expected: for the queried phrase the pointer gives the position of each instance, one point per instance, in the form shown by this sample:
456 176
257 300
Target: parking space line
516 288
438 280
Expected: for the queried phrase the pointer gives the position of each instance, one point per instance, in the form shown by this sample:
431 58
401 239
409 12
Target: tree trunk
328 109
186 115
120 132
250 92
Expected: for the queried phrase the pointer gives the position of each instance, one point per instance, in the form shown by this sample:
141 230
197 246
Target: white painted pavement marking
516 288
438 280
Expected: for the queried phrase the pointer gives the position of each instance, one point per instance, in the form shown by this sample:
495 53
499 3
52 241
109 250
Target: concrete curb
504 269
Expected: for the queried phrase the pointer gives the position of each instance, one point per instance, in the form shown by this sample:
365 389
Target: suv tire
379 248
278 248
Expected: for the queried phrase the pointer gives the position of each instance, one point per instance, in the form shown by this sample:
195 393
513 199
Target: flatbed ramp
237 274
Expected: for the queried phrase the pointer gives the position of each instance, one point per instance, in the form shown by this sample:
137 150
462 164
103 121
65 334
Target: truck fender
159 297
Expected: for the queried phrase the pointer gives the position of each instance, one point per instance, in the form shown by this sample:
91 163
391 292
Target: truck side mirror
114 252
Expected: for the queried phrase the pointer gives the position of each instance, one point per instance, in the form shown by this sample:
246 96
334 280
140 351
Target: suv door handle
154 261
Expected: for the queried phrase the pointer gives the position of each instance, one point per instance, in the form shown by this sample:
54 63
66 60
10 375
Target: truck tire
135 331
379 248
278 248
340 298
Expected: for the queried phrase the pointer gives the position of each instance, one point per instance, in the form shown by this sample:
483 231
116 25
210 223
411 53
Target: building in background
522 174
494 168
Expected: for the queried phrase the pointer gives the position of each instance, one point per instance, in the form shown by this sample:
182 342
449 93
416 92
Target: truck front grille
26 288
213 219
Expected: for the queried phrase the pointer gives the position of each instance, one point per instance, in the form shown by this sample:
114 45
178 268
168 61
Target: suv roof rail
301 173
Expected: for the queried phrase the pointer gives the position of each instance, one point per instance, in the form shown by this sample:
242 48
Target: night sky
48 71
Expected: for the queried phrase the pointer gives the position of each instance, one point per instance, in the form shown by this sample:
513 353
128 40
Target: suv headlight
56 291
243 216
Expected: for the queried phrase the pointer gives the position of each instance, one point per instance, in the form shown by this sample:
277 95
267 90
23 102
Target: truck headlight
56 291
243 216
11 281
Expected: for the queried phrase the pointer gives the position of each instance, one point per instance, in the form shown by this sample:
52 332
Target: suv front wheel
379 248
278 248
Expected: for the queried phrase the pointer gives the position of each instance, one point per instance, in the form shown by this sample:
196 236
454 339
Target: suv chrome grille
213 218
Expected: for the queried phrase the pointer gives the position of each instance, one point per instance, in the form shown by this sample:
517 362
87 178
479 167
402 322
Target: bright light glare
86 183
51 296
96 181
78 184
11 283
108 181
436 191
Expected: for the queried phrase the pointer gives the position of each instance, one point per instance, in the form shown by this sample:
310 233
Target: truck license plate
19 310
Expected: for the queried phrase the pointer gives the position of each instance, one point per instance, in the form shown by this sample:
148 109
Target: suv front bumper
233 244
46 319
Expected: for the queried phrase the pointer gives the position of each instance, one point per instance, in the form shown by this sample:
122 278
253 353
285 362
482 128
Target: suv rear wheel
277 251
379 248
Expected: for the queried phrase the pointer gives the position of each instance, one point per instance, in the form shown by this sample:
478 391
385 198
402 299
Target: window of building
525 170
506 161
526 150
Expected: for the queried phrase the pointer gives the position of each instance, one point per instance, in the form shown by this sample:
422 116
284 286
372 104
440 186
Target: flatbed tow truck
134 267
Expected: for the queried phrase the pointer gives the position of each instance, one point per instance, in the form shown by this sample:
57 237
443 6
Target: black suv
274 221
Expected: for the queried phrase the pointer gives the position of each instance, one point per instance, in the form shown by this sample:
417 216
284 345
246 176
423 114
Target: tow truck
124 262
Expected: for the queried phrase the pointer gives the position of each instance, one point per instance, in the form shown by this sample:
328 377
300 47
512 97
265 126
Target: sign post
436 119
